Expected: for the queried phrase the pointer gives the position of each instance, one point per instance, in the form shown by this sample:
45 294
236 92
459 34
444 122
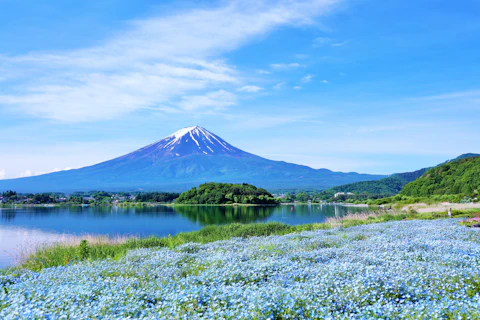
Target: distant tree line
156 197
364 190
91 197
12 196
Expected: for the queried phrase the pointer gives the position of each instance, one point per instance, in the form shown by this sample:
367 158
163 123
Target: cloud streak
250 89
166 63
308 78
285 65
472 94
213 100
325 41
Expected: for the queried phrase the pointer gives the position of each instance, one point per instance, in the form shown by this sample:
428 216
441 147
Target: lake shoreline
137 204
28 225
58 253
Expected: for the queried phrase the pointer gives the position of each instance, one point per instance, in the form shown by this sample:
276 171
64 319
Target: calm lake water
23 228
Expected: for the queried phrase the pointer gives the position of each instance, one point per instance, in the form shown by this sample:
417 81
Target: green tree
225 193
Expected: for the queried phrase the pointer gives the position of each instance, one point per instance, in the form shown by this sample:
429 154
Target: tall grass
95 248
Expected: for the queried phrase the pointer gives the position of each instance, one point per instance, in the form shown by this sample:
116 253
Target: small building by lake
343 194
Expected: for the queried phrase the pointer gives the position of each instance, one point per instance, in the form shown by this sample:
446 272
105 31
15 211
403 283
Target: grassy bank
66 253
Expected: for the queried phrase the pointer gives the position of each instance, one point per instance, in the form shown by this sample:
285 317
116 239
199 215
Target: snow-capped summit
191 140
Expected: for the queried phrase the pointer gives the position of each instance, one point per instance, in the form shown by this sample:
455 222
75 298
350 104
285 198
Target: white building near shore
344 194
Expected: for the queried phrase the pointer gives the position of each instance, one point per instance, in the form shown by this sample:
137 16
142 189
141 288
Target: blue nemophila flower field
396 270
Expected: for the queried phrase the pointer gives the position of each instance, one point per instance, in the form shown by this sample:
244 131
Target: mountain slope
187 158
389 186
460 177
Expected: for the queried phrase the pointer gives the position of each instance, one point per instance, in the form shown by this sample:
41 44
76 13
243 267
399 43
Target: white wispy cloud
250 89
326 41
471 94
3 174
156 62
261 71
301 56
297 87
322 41
256 121
308 78
25 174
211 100
279 85
285 65
340 44
29 173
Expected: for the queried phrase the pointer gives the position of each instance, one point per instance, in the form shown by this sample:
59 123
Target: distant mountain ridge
184 159
391 185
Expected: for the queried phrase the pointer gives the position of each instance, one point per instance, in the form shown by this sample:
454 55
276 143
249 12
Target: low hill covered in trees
461 177
386 187
226 193
376 189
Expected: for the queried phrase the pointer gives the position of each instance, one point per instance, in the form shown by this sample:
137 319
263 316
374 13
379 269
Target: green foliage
470 223
226 193
43 198
12 196
461 177
9 193
9 196
401 200
302 197
156 197
84 250
102 197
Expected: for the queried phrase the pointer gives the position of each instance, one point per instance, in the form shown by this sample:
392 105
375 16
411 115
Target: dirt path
440 207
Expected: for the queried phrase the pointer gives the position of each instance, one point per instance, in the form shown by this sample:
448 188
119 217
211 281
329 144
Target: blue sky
361 85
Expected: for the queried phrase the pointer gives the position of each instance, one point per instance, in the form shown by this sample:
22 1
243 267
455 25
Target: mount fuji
188 157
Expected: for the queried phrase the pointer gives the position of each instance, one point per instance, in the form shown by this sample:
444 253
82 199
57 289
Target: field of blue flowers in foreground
395 270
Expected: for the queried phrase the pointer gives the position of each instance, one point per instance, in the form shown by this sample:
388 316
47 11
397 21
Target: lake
23 228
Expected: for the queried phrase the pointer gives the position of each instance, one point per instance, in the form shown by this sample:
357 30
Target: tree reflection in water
206 215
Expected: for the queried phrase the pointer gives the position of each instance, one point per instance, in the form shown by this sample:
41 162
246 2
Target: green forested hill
460 177
386 187
226 193
380 188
